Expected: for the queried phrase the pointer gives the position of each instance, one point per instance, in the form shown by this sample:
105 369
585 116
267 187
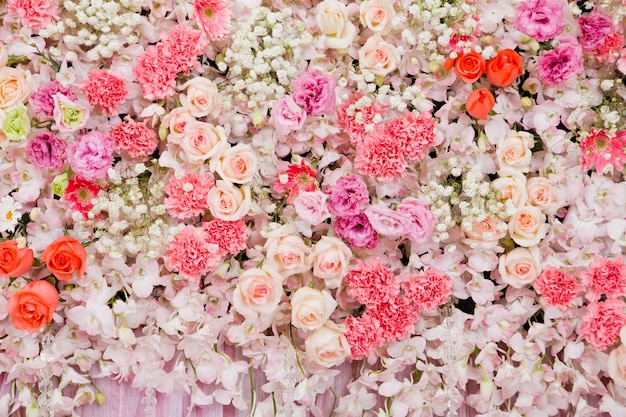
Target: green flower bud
59 184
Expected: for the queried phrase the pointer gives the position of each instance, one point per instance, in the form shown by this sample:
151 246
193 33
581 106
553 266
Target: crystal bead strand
150 330
450 378
289 381
44 401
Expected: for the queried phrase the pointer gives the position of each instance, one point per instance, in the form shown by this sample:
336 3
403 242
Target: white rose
327 346
237 164
331 258
229 202
310 308
258 293
332 20
378 56
541 194
514 151
520 267
377 15
202 98
288 254
15 86
528 226
201 141
617 365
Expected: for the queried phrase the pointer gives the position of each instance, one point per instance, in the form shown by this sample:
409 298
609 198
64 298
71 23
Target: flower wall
428 195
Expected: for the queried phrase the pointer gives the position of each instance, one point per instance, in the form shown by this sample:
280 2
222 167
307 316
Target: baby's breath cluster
460 195
437 26
94 29
264 58
130 217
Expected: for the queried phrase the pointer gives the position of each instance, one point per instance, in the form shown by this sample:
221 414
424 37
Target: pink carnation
356 231
230 236
105 89
427 290
594 29
191 255
187 196
34 14
46 151
562 63
80 194
347 196
609 50
135 138
606 277
363 334
600 149
183 45
415 134
91 156
602 323
397 318
353 118
380 155
315 91
214 17
540 19
372 283
558 288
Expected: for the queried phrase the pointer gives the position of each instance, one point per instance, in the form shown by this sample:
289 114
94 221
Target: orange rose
65 256
14 261
33 306
479 103
504 68
468 67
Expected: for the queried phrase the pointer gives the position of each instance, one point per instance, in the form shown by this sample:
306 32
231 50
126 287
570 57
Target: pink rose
528 226
520 267
511 186
483 234
258 293
202 98
201 141
377 15
327 346
229 202
287 116
540 19
513 151
315 91
311 206
310 308
422 220
378 56
237 164
331 259
388 222
541 194
288 255
176 122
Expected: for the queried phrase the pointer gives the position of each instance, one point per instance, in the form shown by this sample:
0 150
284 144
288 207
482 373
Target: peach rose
288 254
327 346
258 293
33 306
201 141
541 194
511 185
514 151
64 257
617 365
377 15
333 22
528 226
176 122
483 234
15 86
236 164
201 98
14 261
331 259
229 202
310 308
378 56
520 267
4 55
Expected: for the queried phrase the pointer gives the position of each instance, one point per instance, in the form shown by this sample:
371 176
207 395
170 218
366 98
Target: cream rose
514 151
258 293
4 55
310 308
332 20
378 56
520 267
528 226
237 164
511 185
176 122
288 254
201 98
229 202
617 365
541 194
201 141
15 86
331 258
484 233
327 346
377 15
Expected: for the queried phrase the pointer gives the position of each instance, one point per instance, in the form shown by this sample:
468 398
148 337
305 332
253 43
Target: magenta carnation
46 151
594 29
356 231
347 196
42 100
562 63
91 156
540 19
314 91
